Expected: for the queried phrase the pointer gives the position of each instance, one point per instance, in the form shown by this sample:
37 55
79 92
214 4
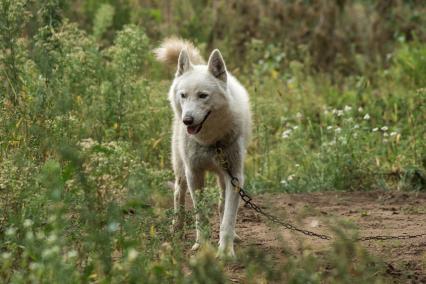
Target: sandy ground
375 213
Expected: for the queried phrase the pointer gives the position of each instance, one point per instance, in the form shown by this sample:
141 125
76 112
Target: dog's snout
188 120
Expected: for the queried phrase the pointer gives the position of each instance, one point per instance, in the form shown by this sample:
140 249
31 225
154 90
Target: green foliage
85 127
103 20
13 17
411 64
353 137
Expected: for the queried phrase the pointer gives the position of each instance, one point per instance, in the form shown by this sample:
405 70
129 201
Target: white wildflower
6 255
339 112
112 144
34 265
299 115
290 177
286 133
52 238
112 227
360 109
393 133
347 108
29 236
366 117
72 117
338 129
297 165
295 127
72 254
284 182
40 235
356 126
87 143
28 223
50 251
375 129
10 231
329 127
384 128
385 134
132 254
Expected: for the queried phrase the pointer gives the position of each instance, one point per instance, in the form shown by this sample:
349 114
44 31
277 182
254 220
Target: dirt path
375 213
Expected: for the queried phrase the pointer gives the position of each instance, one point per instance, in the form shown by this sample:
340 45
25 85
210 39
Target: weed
84 132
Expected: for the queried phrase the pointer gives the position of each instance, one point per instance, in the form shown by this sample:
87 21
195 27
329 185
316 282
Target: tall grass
84 149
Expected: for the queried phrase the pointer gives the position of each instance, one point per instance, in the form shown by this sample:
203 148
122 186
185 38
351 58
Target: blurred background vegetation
345 37
338 94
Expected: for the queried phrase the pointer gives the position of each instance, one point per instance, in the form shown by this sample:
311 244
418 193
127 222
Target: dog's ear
184 64
217 66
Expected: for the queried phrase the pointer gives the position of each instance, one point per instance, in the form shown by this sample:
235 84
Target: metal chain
249 203
385 238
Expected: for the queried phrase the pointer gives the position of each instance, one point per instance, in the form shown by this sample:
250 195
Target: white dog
210 108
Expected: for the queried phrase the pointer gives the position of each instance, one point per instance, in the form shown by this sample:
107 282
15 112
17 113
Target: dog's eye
202 95
182 95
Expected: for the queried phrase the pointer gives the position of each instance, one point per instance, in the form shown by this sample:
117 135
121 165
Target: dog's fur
219 107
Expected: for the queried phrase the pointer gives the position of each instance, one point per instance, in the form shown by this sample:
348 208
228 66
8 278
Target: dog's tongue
192 129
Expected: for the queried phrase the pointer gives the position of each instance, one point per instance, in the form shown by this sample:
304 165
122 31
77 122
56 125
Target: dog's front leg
227 226
221 206
195 182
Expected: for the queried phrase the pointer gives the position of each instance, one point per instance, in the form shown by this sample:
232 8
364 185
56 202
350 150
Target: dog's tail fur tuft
169 50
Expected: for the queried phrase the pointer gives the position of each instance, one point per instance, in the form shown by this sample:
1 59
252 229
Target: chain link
220 156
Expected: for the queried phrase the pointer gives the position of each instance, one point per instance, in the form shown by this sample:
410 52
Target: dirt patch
375 213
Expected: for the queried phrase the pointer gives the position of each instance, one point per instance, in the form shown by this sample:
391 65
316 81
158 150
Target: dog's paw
226 249
195 247
226 253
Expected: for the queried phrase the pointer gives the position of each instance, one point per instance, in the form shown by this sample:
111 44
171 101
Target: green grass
85 134
313 136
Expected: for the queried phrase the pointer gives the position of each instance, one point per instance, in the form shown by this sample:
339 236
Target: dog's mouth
194 129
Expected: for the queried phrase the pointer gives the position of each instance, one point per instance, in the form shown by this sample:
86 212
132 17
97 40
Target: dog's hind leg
222 188
195 182
179 203
180 186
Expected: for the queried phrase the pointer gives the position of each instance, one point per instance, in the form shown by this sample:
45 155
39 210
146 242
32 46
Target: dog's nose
188 120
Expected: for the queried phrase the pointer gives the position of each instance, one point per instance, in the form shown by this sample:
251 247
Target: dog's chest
200 157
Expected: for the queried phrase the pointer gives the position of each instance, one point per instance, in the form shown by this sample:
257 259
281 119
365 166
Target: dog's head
199 91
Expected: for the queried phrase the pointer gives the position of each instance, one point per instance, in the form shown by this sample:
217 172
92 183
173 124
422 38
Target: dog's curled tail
169 50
